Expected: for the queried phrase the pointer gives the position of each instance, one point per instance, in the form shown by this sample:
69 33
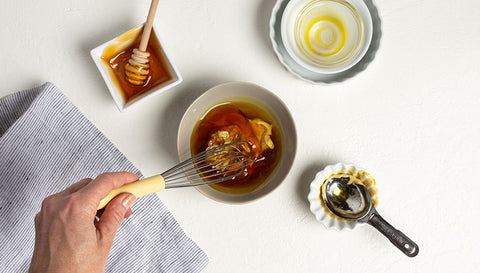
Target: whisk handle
140 188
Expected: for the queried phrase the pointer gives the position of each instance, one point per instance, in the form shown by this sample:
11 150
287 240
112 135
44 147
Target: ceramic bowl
318 208
267 101
355 15
123 42
319 78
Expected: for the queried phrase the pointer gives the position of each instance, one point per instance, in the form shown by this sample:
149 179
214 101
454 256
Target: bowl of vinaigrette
241 111
112 56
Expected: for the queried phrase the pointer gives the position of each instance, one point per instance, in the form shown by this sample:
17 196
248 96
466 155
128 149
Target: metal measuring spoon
353 202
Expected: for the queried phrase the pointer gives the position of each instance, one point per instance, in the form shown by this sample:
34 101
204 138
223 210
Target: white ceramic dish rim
368 30
96 54
318 78
313 197
192 115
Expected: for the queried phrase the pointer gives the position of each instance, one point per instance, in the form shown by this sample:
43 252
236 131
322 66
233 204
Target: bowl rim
258 193
364 13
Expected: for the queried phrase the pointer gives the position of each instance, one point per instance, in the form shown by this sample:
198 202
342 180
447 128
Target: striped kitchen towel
46 144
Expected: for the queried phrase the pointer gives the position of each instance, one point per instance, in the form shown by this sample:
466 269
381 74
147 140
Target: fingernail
128 201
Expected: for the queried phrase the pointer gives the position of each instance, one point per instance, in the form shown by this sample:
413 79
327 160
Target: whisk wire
202 175
212 166
215 165
201 157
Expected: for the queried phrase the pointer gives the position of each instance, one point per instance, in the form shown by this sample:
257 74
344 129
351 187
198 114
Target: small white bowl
288 33
121 43
251 93
316 205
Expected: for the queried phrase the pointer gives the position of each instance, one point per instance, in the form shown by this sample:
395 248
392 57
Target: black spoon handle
400 240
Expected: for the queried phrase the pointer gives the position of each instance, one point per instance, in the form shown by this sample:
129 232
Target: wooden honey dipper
137 68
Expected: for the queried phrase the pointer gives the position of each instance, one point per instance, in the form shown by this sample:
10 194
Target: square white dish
122 42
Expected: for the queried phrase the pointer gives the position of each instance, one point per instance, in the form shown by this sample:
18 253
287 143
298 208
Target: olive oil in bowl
326 36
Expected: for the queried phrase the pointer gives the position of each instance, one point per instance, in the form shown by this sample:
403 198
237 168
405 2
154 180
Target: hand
69 236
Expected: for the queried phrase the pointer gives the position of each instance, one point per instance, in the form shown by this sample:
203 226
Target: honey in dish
116 57
237 121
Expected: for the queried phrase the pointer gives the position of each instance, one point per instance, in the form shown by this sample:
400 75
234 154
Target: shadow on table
98 36
26 83
306 177
262 23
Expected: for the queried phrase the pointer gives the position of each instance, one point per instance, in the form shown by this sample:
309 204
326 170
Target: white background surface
412 119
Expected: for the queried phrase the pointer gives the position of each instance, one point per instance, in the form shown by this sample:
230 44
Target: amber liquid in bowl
224 115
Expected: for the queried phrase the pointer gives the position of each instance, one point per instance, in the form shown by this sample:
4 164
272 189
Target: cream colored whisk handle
139 188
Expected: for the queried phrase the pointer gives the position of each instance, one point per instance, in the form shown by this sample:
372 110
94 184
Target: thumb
113 215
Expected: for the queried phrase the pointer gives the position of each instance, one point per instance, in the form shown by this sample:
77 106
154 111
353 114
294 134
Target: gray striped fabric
46 144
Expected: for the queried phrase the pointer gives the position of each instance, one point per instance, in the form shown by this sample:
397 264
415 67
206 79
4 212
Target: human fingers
112 217
75 187
127 214
101 186
100 213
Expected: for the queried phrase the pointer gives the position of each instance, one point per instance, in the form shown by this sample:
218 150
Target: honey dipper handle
139 188
147 28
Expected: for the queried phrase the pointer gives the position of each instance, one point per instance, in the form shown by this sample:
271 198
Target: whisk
137 68
214 165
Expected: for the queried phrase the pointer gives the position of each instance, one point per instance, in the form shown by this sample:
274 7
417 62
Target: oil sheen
359 177
327 31
235 118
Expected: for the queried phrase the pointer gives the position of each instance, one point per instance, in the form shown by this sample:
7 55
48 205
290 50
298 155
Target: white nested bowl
262 98
317 206
356 13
